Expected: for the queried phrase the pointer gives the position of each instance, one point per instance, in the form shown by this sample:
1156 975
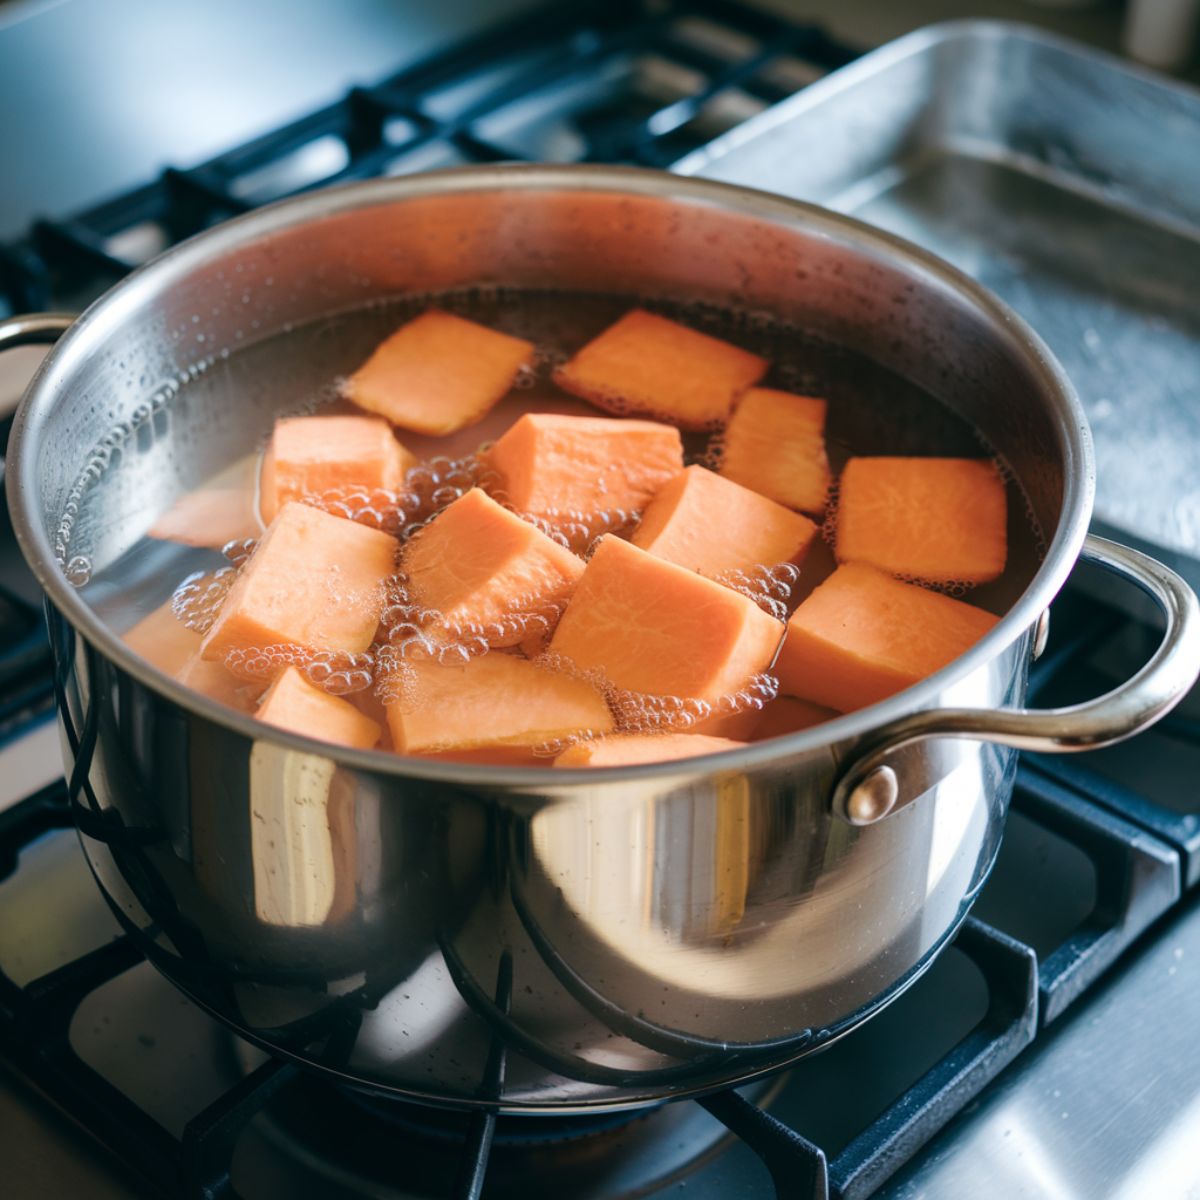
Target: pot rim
89 331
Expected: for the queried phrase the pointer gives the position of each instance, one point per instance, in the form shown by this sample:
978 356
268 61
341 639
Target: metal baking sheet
1062 179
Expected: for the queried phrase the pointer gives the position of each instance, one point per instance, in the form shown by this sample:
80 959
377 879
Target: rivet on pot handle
868 789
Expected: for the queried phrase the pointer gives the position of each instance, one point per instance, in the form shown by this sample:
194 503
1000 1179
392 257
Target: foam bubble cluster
198 599
579 531
335 671
644 712
428 488
239 550
416 632
769 587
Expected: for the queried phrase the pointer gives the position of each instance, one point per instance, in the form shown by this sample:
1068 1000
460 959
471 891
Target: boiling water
185 469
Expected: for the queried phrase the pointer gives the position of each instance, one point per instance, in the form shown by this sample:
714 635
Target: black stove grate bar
1137 880
561 43
34 1035
798 1168
1007 1027
24 823
1178 829
206 1151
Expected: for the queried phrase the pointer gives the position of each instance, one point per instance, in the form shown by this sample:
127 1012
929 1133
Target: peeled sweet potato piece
648 364
713 526
775 444
312 455
788 715
862 635
438 373
494 700
627 749
163 640
650 626
213 680
560 467
291 702
477 563
942 520
314 580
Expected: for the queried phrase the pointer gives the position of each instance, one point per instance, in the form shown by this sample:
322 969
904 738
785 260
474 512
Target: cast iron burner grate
628 81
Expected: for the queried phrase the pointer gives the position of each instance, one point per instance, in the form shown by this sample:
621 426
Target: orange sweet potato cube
788 715
438 373
648 364
163 640
291 702
212 679
628 749
553 466
775 444
942 520
714 526
309 456
477 563
862 635
314 580
495 700
653 627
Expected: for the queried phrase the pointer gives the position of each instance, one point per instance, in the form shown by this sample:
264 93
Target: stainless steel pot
512 937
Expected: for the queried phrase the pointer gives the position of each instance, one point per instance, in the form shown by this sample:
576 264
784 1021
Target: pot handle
31 329
869 789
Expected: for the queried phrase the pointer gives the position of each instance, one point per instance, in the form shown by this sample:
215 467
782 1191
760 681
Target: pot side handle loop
33 329
868 789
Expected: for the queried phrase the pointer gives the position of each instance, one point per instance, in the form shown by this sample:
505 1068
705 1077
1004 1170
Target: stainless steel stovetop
1059 1028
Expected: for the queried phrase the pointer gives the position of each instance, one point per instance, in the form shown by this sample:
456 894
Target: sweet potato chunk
438 373
311 455
556 467
648 364
213 680
314 580
627 749
862 635
775 444
788 715
163 640
713 526
936 519
477 563
651 626
494 700
291 702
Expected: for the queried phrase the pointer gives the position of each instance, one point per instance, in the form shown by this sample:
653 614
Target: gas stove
1048 1051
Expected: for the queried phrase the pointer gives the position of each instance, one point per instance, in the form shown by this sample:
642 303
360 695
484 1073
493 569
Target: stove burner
381 1146
452 1128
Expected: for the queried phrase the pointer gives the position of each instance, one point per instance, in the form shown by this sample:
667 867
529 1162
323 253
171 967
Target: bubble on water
78 570
239 550
829 524
338 672
428 488
644 712
713 455
770 587
578 530
198 599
